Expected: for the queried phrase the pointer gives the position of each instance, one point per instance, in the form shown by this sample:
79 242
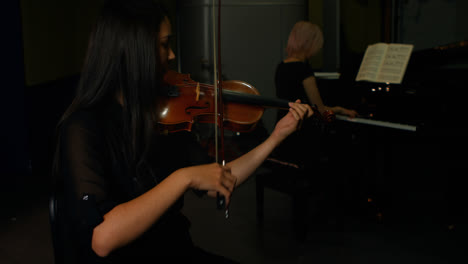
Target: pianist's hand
343 111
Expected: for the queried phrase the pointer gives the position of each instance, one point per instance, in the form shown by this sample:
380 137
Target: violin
184 102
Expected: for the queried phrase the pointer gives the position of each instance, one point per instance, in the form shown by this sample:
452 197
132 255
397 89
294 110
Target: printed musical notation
384 63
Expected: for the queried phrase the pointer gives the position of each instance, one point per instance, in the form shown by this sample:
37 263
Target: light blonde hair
305 39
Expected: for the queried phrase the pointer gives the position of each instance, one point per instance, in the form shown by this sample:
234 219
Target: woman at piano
294 78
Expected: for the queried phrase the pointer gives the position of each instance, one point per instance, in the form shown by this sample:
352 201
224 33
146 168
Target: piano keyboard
377 123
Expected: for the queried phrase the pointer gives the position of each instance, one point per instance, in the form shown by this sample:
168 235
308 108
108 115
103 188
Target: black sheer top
97 177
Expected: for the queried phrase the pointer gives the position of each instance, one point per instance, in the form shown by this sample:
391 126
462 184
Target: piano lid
445 57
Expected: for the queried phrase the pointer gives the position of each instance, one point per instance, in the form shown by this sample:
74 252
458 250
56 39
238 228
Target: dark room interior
387 189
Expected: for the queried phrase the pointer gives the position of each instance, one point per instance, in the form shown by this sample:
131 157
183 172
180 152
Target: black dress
97 177
288 81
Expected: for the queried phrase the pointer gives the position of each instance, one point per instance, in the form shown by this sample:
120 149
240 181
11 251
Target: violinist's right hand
213 178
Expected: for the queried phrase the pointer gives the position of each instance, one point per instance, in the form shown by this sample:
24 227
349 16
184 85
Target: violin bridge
197 91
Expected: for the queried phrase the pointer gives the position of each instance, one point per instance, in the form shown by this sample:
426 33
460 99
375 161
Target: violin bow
219 113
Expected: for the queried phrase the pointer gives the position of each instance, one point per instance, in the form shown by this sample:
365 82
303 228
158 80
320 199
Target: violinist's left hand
293 120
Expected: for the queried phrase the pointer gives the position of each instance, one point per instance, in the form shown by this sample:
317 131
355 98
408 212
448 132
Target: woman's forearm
245 165
127 221
313 94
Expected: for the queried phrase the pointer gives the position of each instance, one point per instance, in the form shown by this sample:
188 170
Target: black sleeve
84 166
197 155
307 71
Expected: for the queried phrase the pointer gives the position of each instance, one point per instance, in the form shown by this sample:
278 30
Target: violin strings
204 85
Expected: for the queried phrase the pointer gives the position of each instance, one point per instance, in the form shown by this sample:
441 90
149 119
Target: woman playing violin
124 183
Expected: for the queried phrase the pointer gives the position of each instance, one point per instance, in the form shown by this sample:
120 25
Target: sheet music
384 63
395 62
371 62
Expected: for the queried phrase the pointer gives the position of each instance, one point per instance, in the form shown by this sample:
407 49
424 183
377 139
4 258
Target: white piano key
377 123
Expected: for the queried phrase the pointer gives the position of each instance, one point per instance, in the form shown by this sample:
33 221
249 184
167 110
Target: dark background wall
14 164
432 23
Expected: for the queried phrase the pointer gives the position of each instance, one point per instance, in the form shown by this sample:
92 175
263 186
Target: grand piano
435 79
406 153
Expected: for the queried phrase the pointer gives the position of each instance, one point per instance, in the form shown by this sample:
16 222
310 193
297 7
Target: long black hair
123 63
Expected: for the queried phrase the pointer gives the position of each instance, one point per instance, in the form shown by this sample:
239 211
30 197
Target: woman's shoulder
96 116
293 64
81 118
295 68
83 122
